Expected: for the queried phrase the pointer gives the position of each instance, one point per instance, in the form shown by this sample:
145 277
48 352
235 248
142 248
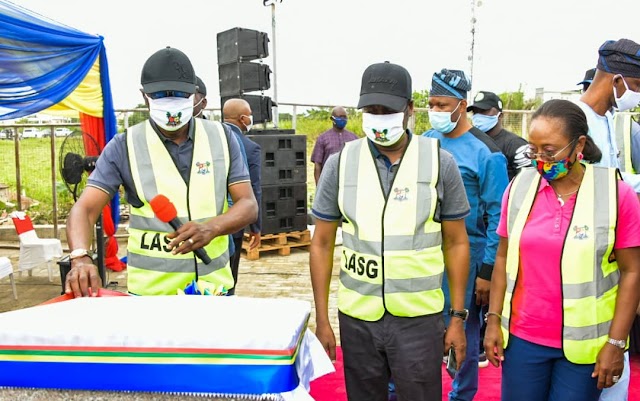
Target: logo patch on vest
401 194
173 119
581 232
203 168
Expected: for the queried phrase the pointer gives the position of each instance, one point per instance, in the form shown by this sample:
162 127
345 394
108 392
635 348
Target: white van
62 131
32 132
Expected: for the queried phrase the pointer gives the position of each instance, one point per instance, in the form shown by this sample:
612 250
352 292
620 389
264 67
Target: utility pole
272 3
473 37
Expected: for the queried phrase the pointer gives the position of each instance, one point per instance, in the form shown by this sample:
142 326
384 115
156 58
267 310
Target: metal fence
30 165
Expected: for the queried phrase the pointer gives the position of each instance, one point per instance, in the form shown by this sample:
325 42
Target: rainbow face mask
553 170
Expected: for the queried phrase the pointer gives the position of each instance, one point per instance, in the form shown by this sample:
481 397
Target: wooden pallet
282 243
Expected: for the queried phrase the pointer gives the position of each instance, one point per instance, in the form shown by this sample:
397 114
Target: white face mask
383 129
629 98
248 127
171 113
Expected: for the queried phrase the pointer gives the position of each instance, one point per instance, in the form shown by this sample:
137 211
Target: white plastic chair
34 251
6 269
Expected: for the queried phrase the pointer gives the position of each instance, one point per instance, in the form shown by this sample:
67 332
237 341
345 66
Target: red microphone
166 211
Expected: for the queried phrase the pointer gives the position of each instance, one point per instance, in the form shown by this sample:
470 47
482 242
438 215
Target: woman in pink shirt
564 286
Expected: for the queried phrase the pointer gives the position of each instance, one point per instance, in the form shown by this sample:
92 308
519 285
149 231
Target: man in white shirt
616 84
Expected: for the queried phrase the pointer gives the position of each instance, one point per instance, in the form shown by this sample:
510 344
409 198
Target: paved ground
268 277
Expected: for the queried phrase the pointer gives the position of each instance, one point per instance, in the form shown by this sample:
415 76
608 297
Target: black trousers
408 348
234 262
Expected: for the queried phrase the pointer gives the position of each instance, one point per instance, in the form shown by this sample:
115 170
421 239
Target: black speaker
237 78
273 131
284 158
240 44
284 208
260 106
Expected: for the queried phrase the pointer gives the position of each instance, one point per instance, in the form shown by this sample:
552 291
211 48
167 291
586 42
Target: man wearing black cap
484 173
588 78
200 99
402 206
194 162
487 117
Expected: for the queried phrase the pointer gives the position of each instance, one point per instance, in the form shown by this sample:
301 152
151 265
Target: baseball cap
202 88
168 69
485 101
588 77
385 84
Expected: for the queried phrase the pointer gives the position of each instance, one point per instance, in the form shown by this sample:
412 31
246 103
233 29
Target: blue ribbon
228 379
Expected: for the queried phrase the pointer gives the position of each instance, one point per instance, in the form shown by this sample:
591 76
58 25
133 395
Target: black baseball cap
485 101
168 69
588 77
385 84
202 88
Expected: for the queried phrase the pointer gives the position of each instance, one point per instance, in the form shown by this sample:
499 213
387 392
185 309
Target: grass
35 176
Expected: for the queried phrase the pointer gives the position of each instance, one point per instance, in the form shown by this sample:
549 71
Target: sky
323 47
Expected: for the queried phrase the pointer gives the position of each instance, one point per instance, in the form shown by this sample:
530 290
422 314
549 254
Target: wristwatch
78 253
622 344
460 314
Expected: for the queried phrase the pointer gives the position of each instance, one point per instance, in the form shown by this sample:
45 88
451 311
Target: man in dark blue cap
588 78
616 85
402 205
484 173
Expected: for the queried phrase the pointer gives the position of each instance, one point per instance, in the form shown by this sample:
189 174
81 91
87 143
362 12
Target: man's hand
326 337
80 278
189 237
493 341
454 337
254 240
482 291
609 363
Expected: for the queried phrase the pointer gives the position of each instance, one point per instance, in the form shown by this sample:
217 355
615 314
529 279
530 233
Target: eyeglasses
547 156
160 95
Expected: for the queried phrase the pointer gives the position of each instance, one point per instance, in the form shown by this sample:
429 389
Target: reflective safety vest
391 254
153 270
622 127
589 272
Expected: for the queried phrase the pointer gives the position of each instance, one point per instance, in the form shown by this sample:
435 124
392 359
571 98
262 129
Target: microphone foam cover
163 208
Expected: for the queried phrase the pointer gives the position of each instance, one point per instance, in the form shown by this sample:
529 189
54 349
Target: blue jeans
534 372
465 386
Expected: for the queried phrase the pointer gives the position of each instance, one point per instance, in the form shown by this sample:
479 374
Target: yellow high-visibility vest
392 258
622 128
589 272
152 269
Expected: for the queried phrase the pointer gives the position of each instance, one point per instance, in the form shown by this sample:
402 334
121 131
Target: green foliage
138 116
516 101
421 100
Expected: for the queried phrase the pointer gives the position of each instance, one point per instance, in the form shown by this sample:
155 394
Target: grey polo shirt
113 169
453 204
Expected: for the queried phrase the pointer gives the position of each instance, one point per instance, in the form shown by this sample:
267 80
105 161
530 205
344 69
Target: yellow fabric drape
86 98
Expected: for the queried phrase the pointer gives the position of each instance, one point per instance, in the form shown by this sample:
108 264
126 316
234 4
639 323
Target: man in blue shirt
484 172
239 118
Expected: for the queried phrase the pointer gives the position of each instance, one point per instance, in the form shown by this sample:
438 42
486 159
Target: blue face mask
441 120
483 122
340 122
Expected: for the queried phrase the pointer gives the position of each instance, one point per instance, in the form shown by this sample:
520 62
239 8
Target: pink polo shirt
536 313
